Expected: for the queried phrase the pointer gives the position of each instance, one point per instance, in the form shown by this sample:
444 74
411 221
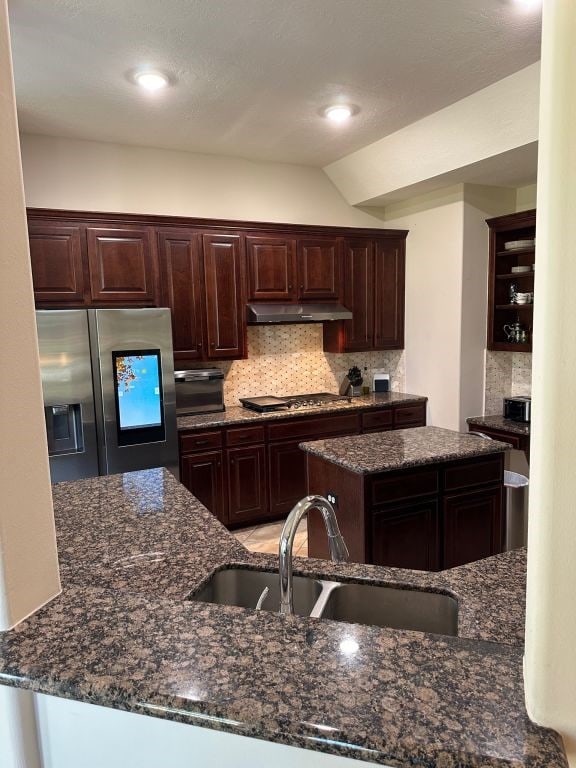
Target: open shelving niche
516 226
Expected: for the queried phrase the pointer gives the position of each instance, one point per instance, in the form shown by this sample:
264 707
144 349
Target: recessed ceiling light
338 113
151 80
527 5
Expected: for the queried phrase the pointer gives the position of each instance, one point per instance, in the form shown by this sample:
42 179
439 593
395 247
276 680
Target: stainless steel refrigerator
108 384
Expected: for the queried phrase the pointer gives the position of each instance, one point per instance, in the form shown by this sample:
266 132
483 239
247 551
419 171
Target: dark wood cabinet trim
214 225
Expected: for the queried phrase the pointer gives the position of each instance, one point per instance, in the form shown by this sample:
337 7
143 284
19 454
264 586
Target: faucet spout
336 544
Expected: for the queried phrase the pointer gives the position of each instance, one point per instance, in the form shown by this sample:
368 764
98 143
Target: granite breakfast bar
124 636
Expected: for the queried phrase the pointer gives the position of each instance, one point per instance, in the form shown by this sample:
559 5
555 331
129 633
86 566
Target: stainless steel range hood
296 313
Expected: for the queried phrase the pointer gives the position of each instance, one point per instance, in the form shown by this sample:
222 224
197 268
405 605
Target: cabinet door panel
472 527
203 475
406 537
247 495
57 268
226 321
271 268
122 265
319 269
358 294
181 274
389 298
288 476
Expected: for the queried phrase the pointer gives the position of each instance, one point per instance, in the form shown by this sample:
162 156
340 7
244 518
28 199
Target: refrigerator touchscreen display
138 394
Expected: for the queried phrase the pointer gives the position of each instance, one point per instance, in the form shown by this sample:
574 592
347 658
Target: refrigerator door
66 371
134 391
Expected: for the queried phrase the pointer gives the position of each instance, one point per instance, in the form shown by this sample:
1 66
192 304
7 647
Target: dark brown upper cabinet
182 280
319 269
205 271
122 265
389 280
225 297
373 290
57 264
503 274
271 268
357 294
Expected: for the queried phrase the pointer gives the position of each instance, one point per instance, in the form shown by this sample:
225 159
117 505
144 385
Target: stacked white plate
519 270
524 298
515 245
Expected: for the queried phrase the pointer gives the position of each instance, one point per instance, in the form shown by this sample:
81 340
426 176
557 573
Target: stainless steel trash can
516 510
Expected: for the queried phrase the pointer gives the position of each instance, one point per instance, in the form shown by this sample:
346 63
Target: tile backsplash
289 360
507 374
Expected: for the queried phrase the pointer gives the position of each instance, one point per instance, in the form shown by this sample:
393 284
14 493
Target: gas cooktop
314 400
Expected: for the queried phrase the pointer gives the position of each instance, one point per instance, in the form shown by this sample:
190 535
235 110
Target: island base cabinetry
406 536
424 518
256 473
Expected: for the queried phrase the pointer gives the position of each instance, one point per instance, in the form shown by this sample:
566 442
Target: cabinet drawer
471 473
405 485
326 426
203 441
378 420
410 416
245 435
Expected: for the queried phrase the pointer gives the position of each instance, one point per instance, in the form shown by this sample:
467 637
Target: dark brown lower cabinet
288 477
256 472
247 484
427 518
406 536
203 475
473 526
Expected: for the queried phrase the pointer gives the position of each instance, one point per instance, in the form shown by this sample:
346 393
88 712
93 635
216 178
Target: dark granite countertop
122 634
502 424
401 449
235 414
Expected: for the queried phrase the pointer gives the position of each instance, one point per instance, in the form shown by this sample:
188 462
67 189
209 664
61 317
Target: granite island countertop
236 414
122 634
501 424
401 449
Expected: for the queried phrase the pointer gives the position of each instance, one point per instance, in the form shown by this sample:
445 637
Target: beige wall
86 175
433 289
499 119
550 660
446 296
526 198
28 562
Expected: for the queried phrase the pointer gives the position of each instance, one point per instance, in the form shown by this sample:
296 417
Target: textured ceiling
252 75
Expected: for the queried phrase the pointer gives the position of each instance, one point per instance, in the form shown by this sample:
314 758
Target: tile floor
264 538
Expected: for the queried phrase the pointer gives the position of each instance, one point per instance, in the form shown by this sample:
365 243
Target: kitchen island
124 635
423 498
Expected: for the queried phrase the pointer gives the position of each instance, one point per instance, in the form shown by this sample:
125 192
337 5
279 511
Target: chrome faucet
337 545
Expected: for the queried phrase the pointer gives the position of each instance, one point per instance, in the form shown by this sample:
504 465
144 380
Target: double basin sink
369 604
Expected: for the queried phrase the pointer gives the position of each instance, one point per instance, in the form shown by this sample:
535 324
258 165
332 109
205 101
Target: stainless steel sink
391 607
370 604
242 587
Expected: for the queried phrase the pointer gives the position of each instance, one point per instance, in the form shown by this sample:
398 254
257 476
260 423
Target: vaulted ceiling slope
251 76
